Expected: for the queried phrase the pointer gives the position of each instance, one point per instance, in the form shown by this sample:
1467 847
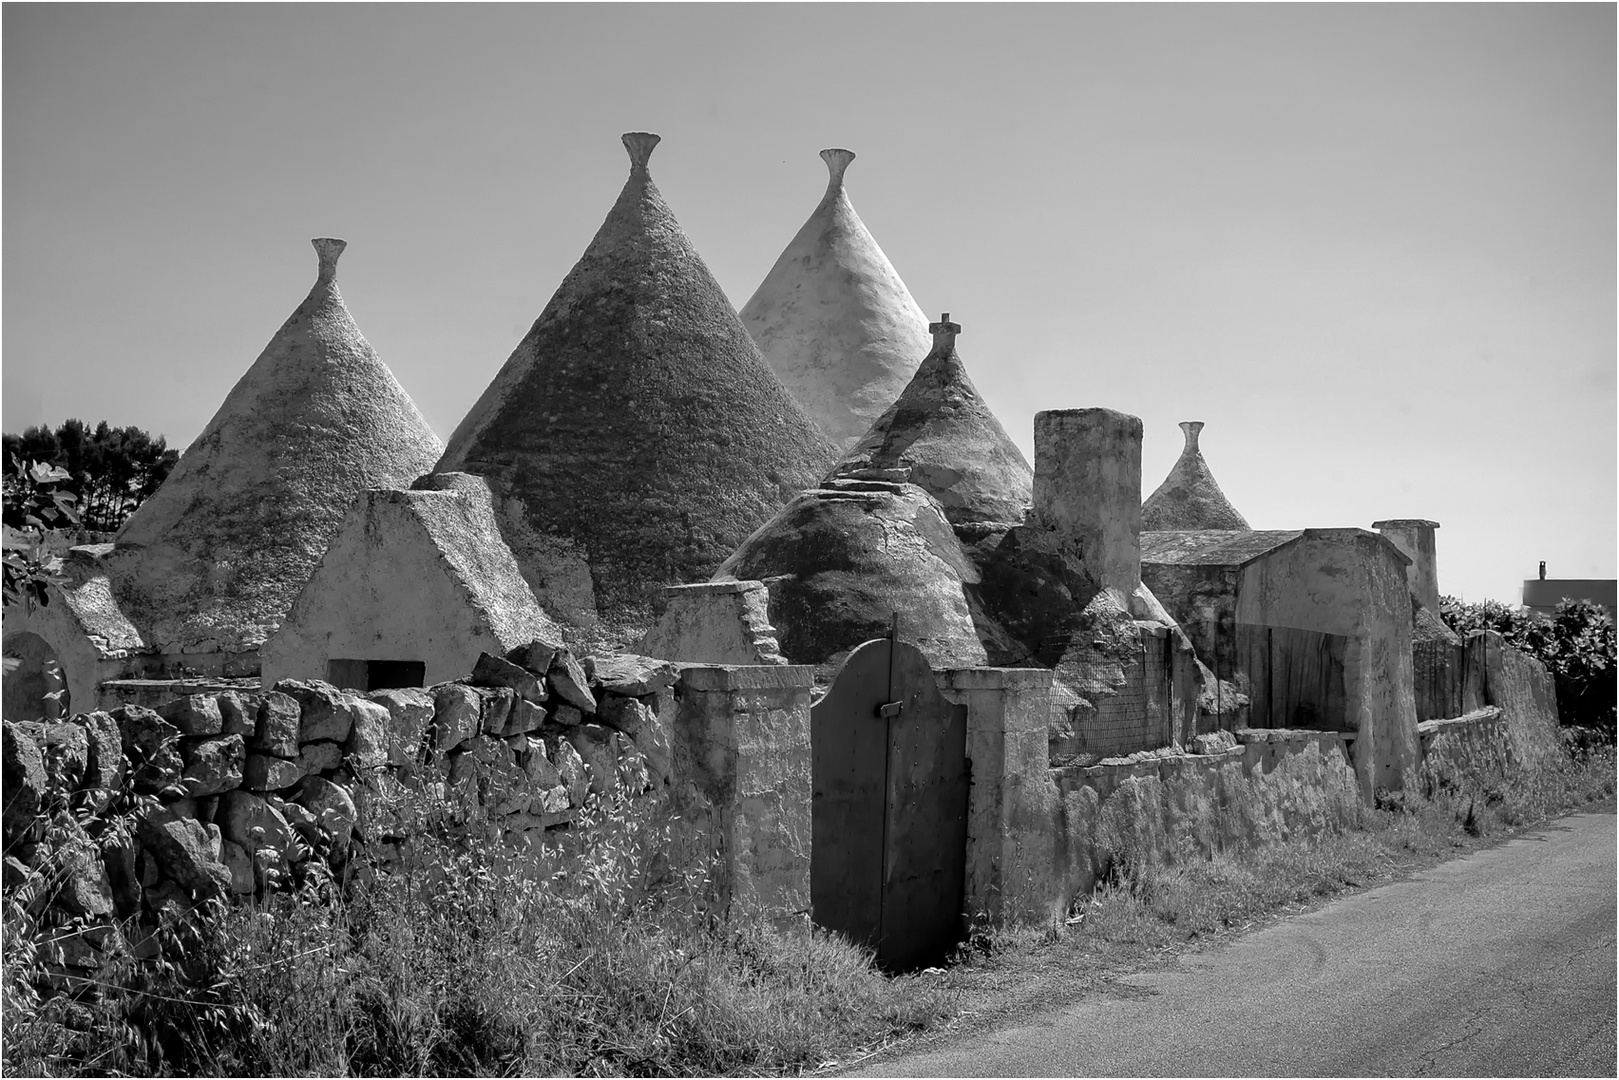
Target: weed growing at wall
588 955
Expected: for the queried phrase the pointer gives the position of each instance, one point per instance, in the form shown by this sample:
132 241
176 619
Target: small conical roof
942 437
636 420
217 555
1189 498
834 320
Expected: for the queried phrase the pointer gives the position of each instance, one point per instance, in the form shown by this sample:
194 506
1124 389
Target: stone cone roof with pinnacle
216 556
636 422
834 320
1189 497
942 437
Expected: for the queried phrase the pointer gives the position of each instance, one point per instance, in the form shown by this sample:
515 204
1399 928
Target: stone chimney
1414 536
1087 489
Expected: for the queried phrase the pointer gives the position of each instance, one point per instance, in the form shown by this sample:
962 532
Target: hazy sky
1373 247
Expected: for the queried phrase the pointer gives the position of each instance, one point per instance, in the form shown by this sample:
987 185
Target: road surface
1497 964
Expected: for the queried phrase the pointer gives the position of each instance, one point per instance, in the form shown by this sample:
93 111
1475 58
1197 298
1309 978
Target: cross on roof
944 332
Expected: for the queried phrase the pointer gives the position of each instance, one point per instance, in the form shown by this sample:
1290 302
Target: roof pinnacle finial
1191 427
836 160
944 334
640 144
327 249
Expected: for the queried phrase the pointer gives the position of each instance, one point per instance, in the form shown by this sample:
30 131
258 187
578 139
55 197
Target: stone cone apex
215 558
834 320
1189 497
942 437
635 434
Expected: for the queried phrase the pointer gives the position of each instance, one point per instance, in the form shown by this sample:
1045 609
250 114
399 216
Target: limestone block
119 859
566 716
493 671
65 749
213 765
80 877
410 712
494 709
536 765
261 772
628 675
24 779
317 757
623 713
598 749
104 766
324 709
194 714
570 768
303 821
150 744
534 657
278 724
367 746
187 850
236 860
332 805
523 718
238 713
570 682
457 715
653 740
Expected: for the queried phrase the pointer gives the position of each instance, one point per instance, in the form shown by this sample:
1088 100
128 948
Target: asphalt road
1497 964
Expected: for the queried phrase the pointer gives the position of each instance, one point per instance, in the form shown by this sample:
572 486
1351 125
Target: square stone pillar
1012 805
740 783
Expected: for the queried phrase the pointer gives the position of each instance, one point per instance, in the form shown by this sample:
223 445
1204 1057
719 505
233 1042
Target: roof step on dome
942 436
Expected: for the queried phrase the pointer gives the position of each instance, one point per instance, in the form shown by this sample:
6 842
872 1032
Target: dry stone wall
235 792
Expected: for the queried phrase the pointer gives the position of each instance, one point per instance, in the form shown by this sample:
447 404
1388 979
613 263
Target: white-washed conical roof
216 556
834 320
941 436
636 421
1189 497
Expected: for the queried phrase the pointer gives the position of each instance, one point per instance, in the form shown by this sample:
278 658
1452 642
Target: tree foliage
1576 644
111 471
36 501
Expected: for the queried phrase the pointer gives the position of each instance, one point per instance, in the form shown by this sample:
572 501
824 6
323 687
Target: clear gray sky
1373 247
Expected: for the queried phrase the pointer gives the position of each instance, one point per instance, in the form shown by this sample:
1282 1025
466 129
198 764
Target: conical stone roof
218 554
834 320
1189 498
942 437
636 423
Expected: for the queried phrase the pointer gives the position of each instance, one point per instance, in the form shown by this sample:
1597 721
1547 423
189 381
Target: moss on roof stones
636 420
215 557
1189 497
941 436
834 320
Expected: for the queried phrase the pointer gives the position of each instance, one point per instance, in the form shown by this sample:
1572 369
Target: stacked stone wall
236 792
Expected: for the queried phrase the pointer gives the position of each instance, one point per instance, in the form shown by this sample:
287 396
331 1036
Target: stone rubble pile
234 793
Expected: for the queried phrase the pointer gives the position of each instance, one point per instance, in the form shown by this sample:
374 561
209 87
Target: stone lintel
988 678
711 588
710 677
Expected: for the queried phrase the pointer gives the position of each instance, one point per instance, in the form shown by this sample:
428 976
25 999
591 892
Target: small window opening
375 674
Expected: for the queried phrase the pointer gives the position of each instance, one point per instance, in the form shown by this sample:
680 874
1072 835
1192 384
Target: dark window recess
375 674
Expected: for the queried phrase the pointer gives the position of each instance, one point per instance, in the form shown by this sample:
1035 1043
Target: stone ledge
1485 715
988 678
712 588
707 677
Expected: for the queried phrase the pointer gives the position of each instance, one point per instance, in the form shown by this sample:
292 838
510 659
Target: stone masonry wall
236 792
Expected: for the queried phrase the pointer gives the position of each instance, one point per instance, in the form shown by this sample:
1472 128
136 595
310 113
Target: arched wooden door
889 818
